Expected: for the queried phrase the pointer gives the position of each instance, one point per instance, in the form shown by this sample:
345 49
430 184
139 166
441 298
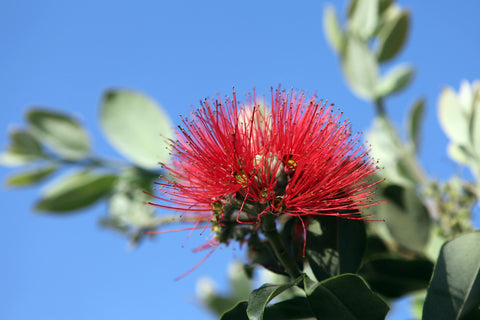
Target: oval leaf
75 191
344 297
393 34
332 28
454 291
406 217
136 126
414 122
360 68
30 177
453 117
238 312
394 277
335 247
395 80
60 132
23 148
364 18
259 298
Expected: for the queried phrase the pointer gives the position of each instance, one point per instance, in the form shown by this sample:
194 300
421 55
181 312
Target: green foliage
60 132
394 276
29 177
136 126
459 116
394 81
259 298
415 120
335 246
344 297
454 291
393 33
406 217
75 191
23 148
360 68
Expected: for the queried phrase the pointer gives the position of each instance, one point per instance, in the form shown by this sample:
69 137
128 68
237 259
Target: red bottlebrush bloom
234 163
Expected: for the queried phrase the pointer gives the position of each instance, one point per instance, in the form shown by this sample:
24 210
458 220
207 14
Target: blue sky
65 54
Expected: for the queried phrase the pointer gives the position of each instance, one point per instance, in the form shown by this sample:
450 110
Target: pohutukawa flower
234 163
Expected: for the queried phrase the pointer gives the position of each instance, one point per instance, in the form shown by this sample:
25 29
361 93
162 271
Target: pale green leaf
415 119
453 117
60 132
360 68
395 80
364 18
333 30
137 127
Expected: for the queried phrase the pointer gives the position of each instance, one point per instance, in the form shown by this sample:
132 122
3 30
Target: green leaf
394 277
406 217
295 308
127 203
75 191
335 246
23 148
30 177
364 18
360 68
453 117
259 298
454 291
238 312
60 132
392 34
415 119
137 127
332 28
395 80
344 297
475 120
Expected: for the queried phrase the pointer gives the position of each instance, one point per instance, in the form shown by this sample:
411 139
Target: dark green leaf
261 252
406 217
335 246
60 132
454 291
75 191
239 312
26 178
137 127
394 277
414 122
295 308
393 34
344 297
360 68
395 80
259 298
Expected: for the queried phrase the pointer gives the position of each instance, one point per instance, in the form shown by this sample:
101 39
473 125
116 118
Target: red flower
232 165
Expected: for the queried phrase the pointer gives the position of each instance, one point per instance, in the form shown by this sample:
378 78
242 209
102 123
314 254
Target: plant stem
271 233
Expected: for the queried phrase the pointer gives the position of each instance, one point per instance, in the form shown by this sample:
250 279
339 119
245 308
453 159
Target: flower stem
271 233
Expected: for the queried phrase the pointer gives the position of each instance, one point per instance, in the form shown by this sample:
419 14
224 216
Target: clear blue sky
64 54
